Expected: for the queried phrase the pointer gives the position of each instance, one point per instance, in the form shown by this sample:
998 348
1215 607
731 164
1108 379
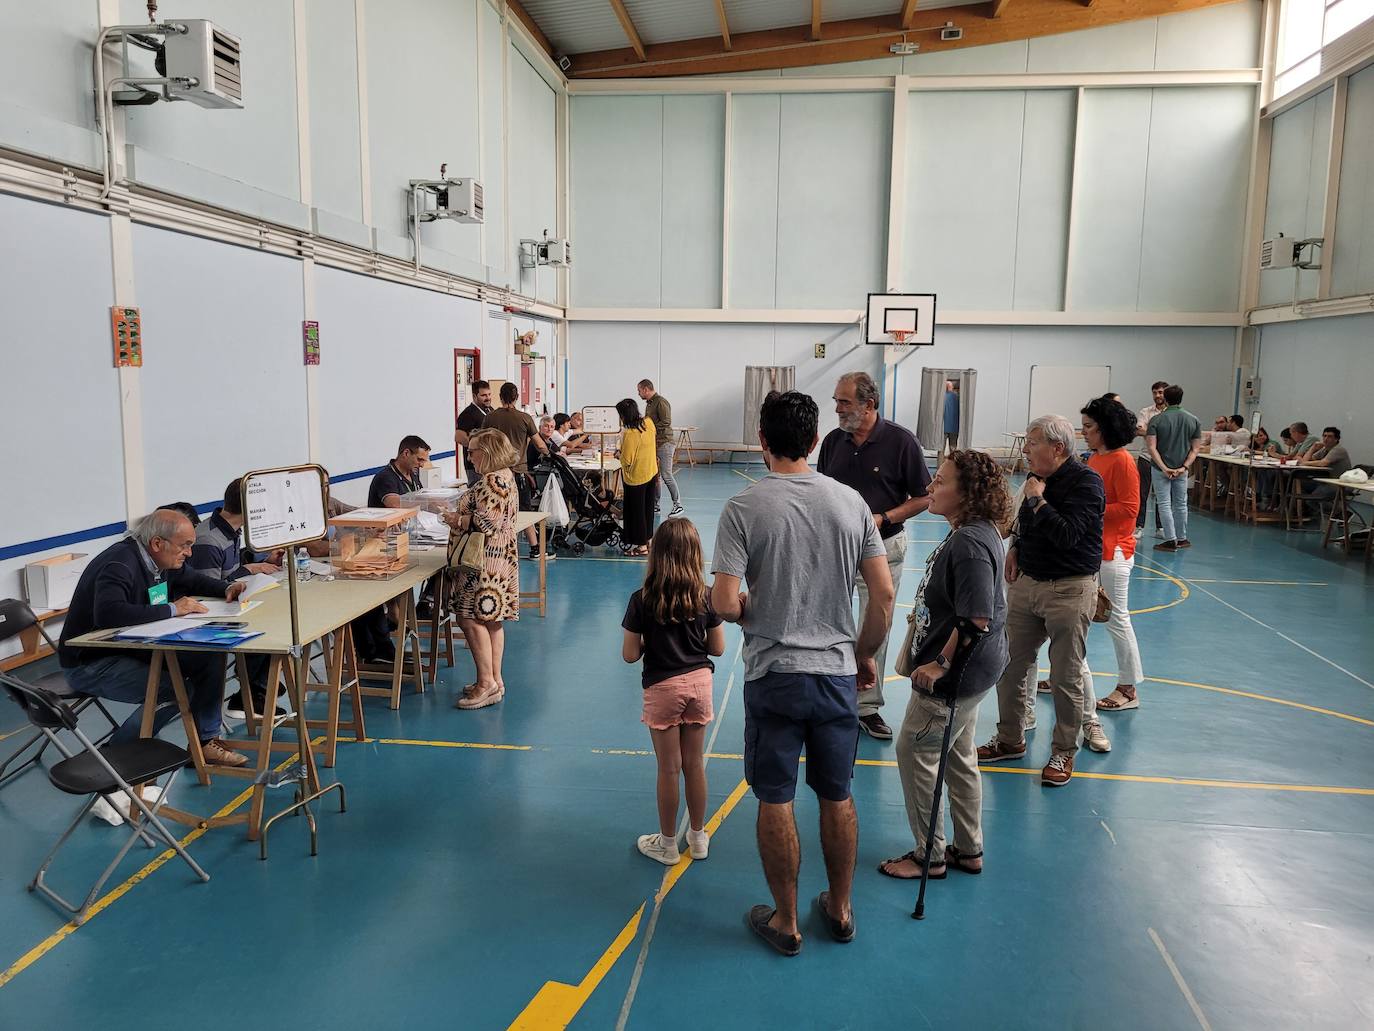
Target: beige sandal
1118 700
480 701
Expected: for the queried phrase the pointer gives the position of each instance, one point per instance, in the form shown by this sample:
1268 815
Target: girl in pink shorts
669 624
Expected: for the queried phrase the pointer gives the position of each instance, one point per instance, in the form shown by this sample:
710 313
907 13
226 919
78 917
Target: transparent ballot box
438 500
371 543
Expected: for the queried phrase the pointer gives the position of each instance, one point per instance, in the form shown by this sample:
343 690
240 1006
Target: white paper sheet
222 609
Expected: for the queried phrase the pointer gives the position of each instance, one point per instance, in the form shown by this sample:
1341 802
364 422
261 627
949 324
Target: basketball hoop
899 338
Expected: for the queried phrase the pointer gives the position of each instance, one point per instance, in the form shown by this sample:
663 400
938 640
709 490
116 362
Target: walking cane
920 912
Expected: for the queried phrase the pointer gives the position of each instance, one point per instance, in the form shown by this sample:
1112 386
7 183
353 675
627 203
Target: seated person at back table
1330 455
219 552
140 579
577 440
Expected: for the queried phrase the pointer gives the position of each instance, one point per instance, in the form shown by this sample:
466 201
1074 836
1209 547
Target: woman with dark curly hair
963 582
1108 426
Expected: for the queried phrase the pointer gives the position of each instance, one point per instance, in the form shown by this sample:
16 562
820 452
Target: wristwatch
941 661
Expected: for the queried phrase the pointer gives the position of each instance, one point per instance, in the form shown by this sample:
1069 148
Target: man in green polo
1173 438
657 409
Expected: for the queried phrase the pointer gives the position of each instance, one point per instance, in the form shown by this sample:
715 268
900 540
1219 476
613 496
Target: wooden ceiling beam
815 19
626 23
908 12
523 17
860 39
724 24
996 7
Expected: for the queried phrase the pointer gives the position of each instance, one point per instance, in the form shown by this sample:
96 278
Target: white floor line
658 898
1277 633
1178 980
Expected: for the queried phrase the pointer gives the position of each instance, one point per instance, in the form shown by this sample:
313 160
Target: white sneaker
1139 531
677 511
655 847
698 843
1095 737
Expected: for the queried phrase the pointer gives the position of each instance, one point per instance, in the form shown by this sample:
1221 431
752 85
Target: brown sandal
1118 700
938 871
961 861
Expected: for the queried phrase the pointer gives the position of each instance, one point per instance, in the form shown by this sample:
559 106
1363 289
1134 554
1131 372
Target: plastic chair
15 618
99 772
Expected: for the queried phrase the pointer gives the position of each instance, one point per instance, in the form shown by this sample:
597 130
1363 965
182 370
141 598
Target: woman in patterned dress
483 600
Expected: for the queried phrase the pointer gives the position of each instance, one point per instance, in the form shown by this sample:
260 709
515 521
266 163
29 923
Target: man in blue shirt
951 415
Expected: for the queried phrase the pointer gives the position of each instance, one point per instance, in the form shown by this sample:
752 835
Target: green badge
157 594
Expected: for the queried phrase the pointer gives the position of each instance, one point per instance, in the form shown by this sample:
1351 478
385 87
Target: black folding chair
101 772
15 618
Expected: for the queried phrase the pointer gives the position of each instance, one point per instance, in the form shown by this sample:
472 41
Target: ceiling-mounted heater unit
202 64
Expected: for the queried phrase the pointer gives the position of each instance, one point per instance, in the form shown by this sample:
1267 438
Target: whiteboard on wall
1065 389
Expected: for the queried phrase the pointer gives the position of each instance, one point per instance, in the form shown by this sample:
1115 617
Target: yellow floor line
1224 690
1268 583
11 733
556 1004
751 479
115 894
447 744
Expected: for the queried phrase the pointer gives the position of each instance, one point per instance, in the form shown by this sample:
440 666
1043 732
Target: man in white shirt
1142 458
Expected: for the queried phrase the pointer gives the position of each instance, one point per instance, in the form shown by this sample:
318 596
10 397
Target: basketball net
899 338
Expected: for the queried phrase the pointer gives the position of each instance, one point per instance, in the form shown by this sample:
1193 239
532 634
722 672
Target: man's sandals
971 863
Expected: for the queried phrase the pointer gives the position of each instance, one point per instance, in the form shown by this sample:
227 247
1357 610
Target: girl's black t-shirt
670 649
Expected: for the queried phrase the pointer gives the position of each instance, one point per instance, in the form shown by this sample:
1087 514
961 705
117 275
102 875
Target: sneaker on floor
1183 543
1159 534
677 511
1058 771
875 727
1043 687
1139 532
655 846
1095 737
995 751
1166 546
217 753
234 710
698 843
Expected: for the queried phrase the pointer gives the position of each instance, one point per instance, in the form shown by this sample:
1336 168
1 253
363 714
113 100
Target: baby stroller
593 519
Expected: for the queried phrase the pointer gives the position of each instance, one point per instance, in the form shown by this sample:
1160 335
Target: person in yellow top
639 472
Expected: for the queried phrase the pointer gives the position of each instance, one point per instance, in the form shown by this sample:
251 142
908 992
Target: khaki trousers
918 759
871 699
1062 611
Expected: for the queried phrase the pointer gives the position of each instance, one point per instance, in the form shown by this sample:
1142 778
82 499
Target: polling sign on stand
601 421
284 508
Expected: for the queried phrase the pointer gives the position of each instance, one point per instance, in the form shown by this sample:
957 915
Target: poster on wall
310 333
126 325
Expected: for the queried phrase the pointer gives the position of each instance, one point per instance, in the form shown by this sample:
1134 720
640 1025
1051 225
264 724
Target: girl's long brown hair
675 582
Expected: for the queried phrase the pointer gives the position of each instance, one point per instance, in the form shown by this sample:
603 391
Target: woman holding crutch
955 651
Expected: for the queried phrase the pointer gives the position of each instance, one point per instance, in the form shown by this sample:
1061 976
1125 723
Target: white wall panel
1112 164
996 59
1042 221
1228 36
256 145
422 112
1200 143
1352 269
1297 190
617 185
833 167
59 376
223 380
609 358
963 195
1125 47
45 77
534 170
755 134
332 63
693 192
712 400
373 395
1297 362
493 158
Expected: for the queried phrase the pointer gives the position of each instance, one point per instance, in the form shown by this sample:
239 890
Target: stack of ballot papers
219 609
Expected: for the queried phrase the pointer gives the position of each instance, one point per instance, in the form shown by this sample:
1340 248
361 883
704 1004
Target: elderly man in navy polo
884 462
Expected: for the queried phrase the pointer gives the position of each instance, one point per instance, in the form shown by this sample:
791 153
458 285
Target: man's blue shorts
784 712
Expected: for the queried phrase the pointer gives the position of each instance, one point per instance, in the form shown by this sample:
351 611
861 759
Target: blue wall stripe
111 529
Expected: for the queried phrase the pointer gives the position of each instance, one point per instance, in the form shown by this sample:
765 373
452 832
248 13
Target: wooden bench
31 640
730 449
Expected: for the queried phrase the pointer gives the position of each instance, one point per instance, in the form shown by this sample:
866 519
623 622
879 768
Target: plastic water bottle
302 563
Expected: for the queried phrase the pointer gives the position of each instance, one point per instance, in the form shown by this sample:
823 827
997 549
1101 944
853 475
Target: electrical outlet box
820 350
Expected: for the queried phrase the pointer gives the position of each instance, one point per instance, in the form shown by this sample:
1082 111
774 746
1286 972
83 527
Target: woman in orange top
1108 426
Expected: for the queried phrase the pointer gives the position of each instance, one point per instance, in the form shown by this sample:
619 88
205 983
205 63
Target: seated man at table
141 579
1303 442
219 553
1330 455
562 422
399 476
577 440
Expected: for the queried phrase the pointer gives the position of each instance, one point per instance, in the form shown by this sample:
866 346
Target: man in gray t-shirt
798 539
1331 456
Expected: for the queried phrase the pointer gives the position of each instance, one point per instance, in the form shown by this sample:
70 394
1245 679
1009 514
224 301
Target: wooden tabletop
325 605
1367 487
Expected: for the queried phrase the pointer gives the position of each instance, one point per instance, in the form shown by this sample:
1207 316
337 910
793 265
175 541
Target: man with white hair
1052 565
140 579
885 463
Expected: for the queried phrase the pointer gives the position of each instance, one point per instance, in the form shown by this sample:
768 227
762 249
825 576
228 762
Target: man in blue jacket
137 580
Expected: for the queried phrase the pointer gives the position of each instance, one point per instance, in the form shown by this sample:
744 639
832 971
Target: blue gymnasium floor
1211 871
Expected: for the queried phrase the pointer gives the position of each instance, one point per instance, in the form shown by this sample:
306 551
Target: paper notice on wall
283 507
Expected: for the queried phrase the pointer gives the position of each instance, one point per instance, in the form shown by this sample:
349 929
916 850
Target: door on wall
939 410
467 370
